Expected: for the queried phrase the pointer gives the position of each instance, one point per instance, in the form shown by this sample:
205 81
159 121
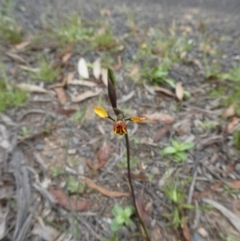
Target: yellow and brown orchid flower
120 128
120 123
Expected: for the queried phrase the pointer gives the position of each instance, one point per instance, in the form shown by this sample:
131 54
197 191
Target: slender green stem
131 186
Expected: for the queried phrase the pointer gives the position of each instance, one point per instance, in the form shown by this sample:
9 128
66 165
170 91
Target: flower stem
131 187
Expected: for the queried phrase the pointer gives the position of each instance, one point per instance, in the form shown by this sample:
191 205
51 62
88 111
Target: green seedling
123 164
230 191
231 87
10 96
208 125
56 171
24 132
228 237
72 30
122 216
177 150
104 40
113 238
74 185
79 115
236 138
9 29
176 195
46 72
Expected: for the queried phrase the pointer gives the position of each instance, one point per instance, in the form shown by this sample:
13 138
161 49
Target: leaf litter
103 168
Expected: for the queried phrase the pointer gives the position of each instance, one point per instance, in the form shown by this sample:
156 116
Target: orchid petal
101 112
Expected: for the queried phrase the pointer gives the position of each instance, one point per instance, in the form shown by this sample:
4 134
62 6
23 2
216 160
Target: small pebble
39 147
75 141
237 168
72 151
202 232
5 144
196 237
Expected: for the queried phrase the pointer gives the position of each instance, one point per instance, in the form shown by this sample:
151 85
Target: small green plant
231 87
46 71
10 95
230 191
74 185
104 40
24 132
228 237
122 216
56 171
177 150
113 238
9 29
72 30
123 163
175 193
236 138
208 125
79 115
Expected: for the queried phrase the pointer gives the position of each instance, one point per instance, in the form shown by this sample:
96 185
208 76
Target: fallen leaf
160 133
68 202
3 223
86 95
141 209
140 177
156 233
45 232
66 112
162 117
6 192
83 69
186 232
104 73
105 12
66 57
61 94
22 45
16 58
202 231
179 91
31 88
163 90
97 68
234 184
62 84
29 69
127 97
70 77
212 188
102 158
103 154
81 82
229 112
118 66
234 220
104 191
232 124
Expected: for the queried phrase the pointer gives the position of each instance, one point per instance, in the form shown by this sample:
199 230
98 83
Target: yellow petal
101 112
138 118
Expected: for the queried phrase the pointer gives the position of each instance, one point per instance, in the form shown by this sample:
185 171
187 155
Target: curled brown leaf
104 191
67 202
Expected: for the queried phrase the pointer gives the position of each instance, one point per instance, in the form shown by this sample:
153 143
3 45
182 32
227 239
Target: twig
190 193
131 187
